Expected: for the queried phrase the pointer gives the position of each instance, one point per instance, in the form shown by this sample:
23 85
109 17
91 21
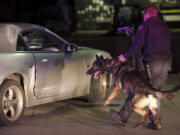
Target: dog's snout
90 71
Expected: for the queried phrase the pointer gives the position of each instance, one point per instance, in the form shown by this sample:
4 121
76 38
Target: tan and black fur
130 80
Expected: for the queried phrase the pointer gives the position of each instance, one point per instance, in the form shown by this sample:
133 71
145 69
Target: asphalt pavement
76 117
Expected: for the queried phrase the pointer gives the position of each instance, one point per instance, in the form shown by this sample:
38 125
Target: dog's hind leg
156 119
144 116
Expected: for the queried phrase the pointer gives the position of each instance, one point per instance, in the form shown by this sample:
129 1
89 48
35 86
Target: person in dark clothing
152 41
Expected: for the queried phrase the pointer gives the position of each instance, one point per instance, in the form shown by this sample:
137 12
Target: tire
99 89
12 102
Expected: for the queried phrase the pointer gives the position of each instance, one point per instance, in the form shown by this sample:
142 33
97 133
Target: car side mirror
72 48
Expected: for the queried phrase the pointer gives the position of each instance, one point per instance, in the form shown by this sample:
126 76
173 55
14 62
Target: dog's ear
101 57
97 57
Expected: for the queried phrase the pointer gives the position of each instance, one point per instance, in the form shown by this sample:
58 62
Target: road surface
74 117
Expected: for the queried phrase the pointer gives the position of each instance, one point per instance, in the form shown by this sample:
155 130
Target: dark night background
93 22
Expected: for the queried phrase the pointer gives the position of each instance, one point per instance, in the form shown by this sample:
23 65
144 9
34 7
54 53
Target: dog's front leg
114 93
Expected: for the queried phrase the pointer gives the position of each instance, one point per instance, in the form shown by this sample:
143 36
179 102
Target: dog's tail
167 94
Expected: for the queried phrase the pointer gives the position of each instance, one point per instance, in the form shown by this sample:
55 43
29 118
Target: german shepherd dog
130 80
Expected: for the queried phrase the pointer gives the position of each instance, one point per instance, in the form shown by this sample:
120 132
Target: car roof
9 33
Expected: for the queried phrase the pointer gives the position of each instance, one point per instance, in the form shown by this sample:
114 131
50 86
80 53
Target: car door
49 63
73 81
74 74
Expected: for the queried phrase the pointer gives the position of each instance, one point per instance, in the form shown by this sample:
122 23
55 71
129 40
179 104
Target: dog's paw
123 124
158 126
153 126
138 125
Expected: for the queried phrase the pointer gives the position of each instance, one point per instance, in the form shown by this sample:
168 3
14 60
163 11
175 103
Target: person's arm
139 42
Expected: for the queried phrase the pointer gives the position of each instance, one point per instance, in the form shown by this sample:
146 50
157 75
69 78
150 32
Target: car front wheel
12 102
99 89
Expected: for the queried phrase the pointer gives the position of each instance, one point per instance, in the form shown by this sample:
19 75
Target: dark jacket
153 38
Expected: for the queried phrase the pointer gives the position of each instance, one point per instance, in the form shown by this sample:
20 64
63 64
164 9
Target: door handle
44 60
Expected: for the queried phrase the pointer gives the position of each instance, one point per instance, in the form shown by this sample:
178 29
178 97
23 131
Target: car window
36 41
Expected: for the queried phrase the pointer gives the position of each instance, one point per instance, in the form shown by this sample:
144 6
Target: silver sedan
38 66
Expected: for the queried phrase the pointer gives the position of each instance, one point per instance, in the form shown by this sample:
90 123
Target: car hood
93 51
90 54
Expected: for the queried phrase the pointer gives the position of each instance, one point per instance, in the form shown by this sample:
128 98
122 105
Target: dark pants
127 108
159 68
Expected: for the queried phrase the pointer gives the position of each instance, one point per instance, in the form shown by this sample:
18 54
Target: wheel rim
103 86
12 103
